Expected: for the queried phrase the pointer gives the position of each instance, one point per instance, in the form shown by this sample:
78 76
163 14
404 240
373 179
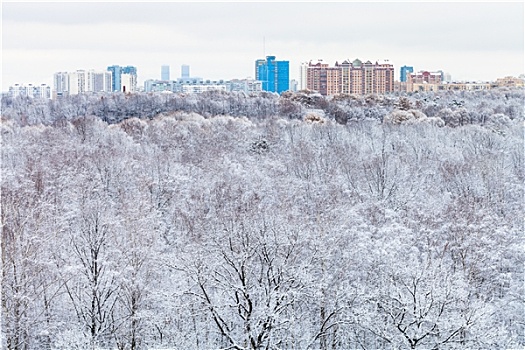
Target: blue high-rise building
185 72
403 73
165 73
116 74
129 70
115 77
275 75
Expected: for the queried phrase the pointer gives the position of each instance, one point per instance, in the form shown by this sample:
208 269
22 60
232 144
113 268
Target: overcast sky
221 40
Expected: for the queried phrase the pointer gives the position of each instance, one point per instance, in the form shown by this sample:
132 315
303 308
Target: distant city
271 75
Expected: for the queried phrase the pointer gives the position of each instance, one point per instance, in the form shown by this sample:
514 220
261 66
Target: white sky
222 40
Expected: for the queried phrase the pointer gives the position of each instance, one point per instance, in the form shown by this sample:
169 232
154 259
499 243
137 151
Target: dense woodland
234 221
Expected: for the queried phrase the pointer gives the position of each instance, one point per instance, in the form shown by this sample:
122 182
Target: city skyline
223 40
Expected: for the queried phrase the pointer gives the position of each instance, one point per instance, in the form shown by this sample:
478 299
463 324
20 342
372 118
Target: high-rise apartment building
98 81
81 81
60 84
403 73
77 82
116 77
132 72
366 78
128 82
324 79
303 75
165 73
348 77
275 75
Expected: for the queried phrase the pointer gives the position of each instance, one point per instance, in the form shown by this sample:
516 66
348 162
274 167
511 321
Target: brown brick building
350 77
323 79
423 77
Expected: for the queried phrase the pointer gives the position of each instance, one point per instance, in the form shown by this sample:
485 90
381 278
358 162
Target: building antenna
264 46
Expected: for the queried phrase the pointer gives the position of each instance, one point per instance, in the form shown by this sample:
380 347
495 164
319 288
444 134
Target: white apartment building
80 82
35 91
98 81
77 82
199 88
60 84
303 75
198 85
245 85
128 83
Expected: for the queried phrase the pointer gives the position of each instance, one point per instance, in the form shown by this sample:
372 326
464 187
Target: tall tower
303 76
185 71
275 75
165 73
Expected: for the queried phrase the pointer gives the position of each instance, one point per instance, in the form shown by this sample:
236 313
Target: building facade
423 77
303 75
244 85
184 71
404 71
203 87
60 84
115 71
274 75
294 85
458 86
324 79
152 85
510 82
165 73
98 81
348 77
80 82
34 91
199 85
77 82
128 82
116 78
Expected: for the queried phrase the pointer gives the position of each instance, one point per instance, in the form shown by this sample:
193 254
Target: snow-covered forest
233 221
